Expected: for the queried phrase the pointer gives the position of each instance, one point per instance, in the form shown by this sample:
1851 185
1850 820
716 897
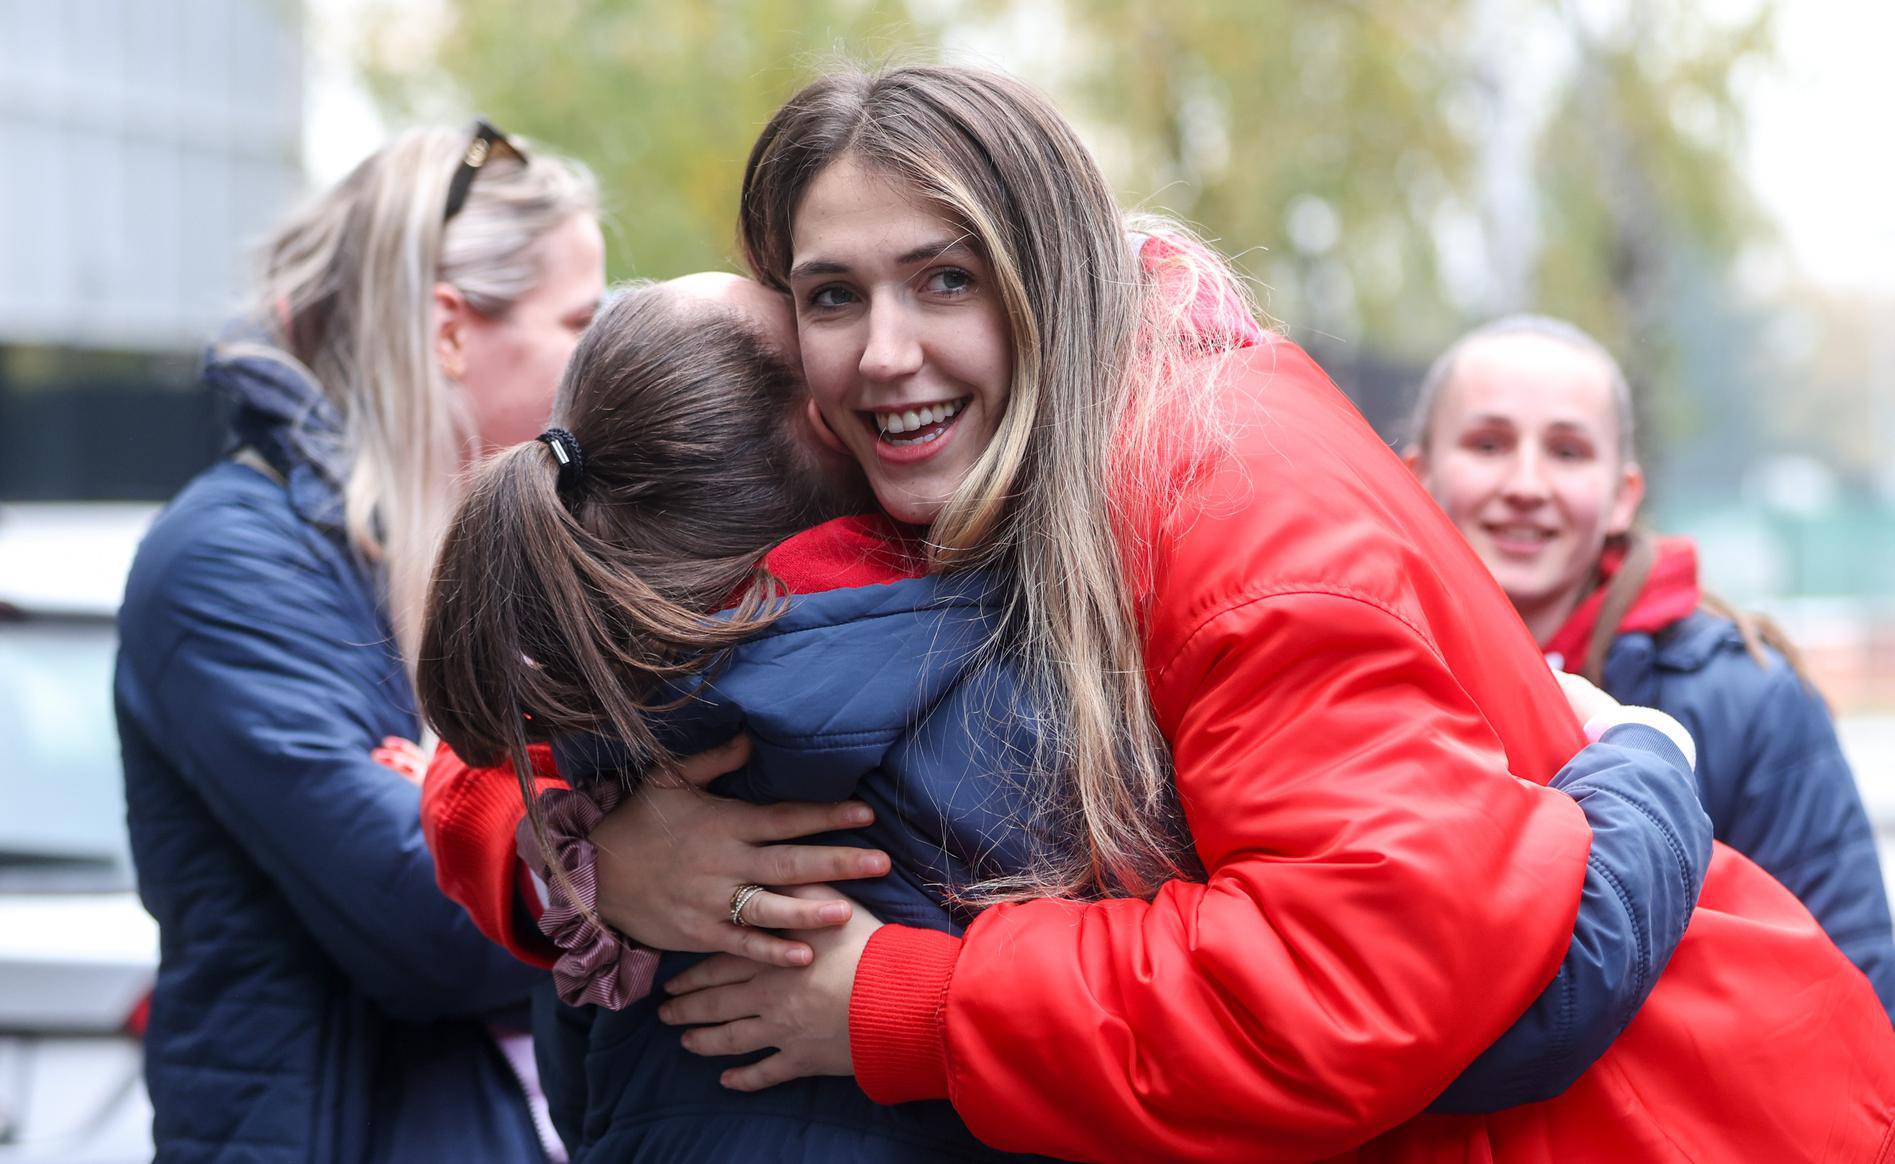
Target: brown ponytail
558 612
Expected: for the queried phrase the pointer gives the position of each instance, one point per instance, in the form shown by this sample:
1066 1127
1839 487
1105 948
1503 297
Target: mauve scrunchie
597 965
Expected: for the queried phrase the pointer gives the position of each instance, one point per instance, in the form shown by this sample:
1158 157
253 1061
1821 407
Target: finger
762 946
787 822
719 1004
778 1068
809 864
733 1038
707 766
775 911
720 970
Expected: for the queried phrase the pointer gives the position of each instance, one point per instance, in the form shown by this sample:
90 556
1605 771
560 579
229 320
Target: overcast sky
1823 149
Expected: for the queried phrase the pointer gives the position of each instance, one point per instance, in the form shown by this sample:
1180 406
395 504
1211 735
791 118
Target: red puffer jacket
1346 691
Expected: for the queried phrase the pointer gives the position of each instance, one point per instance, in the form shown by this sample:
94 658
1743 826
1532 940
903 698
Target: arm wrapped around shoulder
1383 900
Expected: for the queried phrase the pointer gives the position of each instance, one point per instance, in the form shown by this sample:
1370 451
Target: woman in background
1523 430
317 998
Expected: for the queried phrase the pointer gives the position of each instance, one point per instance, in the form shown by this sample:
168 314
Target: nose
1526 478
893 348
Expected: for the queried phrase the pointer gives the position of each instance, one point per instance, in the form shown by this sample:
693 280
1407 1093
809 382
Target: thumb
1586 700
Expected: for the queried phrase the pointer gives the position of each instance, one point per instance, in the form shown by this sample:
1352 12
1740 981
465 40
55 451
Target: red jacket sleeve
1383 899
469 817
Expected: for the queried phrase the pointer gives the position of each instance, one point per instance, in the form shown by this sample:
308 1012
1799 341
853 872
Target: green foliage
1338 148
661 98
1308 137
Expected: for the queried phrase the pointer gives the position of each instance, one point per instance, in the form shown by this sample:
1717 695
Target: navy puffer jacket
1771 774
880 692
317 998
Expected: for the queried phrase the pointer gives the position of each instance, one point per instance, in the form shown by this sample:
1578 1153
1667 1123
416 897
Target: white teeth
908 420
920 440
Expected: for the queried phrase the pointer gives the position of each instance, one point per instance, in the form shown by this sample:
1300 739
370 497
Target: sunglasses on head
487 142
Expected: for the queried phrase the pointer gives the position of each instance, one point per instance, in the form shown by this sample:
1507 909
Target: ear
820 428
1625 503
451 312
1411 456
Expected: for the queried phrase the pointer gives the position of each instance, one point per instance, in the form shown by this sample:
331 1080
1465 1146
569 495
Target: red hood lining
1670 594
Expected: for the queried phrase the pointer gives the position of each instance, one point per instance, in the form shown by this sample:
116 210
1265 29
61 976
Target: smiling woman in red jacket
1357 723
1254 625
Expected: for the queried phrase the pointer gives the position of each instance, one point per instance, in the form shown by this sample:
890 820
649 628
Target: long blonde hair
347 289
1103 423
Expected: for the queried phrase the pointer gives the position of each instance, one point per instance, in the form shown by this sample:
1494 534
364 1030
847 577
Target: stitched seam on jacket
939 606
1284 590
1568 1019
1638 934
1672 841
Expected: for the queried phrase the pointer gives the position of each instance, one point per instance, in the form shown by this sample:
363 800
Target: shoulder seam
1292 589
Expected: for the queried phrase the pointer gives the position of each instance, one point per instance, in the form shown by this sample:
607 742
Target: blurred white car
77 950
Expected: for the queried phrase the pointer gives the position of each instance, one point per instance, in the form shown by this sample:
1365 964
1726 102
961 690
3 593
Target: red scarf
1669 594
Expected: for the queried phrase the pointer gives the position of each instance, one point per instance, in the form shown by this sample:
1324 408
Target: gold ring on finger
741 898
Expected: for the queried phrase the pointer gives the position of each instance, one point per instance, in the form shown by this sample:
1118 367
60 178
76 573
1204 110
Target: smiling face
905 339
1523 453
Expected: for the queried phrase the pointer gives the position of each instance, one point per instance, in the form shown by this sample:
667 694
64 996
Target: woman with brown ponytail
574 583
1274 740
1239 613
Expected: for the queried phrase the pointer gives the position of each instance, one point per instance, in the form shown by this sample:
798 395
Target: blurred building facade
146 147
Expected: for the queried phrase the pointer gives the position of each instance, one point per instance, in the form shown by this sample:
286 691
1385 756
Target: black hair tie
566 450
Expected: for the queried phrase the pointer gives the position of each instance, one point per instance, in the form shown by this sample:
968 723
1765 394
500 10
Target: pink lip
1516 546
915 454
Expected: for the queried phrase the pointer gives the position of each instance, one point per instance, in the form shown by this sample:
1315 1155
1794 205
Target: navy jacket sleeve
1794 810
260 667
1651 847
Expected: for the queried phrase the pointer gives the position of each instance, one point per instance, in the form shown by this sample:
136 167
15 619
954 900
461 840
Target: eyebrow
1495 418
924 253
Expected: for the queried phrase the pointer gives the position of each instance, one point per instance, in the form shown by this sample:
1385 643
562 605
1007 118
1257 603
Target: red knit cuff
898 1014
469 816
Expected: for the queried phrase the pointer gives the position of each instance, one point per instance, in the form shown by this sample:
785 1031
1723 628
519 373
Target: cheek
1462 486
991 361
510 382
827 370
1587 501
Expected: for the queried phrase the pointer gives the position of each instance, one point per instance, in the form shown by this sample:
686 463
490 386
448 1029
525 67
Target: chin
910 509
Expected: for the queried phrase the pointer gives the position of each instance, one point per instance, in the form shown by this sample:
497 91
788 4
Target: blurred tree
662 99
1307 137
1647 211
1394 171
1389 172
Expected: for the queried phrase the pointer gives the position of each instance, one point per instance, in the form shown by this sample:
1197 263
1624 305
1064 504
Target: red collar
867 550
1670 594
